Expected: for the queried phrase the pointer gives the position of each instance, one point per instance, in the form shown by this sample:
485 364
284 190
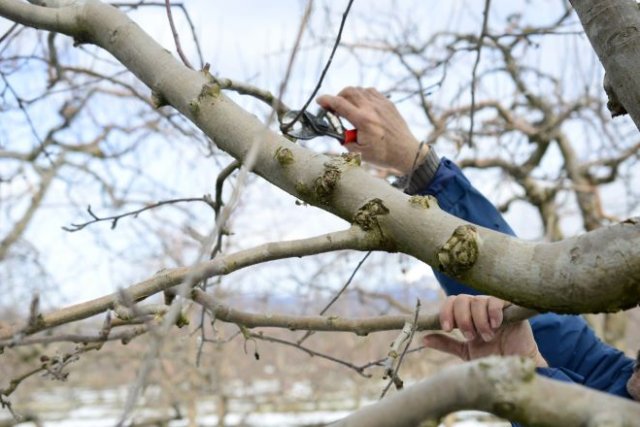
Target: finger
462 316
374 93
340 106
495 307
355 95
446 314
445 344
480 316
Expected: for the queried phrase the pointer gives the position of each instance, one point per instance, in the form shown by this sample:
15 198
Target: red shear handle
350 135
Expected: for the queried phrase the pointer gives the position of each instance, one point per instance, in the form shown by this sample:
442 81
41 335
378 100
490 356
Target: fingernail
469 336
446 326
494 323
486 337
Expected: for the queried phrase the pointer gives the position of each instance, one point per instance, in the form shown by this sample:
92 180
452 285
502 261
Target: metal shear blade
309 125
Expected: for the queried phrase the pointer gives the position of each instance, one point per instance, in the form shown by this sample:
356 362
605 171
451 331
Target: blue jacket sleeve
566 342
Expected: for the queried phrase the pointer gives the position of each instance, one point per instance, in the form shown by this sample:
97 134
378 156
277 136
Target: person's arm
566 342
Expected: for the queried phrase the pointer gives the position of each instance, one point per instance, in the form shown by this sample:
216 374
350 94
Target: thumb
446 344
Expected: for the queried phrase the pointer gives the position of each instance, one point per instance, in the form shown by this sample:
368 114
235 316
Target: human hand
479 318
384 138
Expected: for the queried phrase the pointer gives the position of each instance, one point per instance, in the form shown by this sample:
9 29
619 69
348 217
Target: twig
21 105
52 365
483 33
287 126
260 94
162 4
380 362
310 352
34 310
6 403
394 378
176 37
220 180
336 296
125 336
8 32
115 218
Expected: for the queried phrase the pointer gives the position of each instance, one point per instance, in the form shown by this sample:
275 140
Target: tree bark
507 387
598 271
613 28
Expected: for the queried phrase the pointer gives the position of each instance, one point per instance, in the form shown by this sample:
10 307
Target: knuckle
349 91
464 324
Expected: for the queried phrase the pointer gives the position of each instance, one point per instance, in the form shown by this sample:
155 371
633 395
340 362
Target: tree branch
353 238
359 326
507 387
612 28
598 271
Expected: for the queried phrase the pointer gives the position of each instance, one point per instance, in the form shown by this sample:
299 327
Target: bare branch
246 89
310 352
176 37
115 218
288 126
359 326
394 360
483 33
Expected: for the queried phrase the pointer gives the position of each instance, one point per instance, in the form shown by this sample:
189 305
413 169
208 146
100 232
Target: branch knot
460 252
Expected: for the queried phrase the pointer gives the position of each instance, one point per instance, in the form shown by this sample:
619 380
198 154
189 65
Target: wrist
414 158
418 179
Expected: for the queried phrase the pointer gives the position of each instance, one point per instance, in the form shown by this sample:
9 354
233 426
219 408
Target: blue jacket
568 344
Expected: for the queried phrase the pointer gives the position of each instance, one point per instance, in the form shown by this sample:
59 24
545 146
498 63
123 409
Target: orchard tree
593 272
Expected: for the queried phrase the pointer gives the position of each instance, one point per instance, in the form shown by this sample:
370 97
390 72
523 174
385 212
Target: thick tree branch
507 387
599 271
613 28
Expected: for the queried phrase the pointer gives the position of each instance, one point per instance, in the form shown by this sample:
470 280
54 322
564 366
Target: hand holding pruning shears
309 126
382 137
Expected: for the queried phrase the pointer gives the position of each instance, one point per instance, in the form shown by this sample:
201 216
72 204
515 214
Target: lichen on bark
460 252
324 185
284 156
423 201
354 159
367 216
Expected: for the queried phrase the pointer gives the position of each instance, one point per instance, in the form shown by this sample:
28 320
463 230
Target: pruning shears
309 126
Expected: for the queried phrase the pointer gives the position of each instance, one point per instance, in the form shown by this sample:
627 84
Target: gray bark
598 271
613 28
507 387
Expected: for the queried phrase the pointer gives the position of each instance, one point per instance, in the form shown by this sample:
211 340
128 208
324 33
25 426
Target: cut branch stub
613 104
423 201
325 184
208 91
352 158
284 156
367 216
460 252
